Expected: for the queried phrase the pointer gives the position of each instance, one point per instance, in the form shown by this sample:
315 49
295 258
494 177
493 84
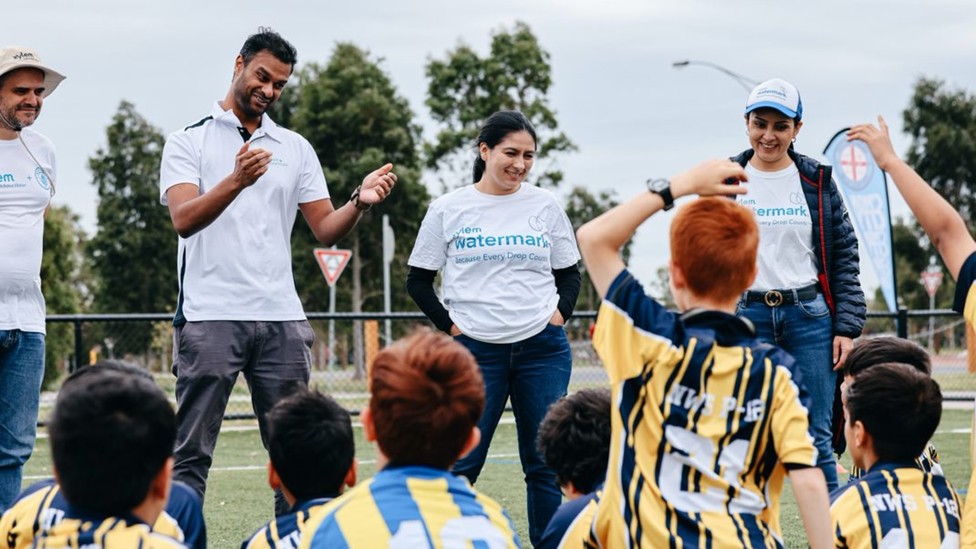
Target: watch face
658 185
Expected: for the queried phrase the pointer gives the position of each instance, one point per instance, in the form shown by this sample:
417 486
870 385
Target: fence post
79 345
901 323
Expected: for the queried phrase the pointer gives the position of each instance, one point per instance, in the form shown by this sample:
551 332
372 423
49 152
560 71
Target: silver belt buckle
773 298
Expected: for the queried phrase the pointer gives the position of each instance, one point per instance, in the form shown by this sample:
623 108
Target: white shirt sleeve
565 252
312 185
180 164
430 249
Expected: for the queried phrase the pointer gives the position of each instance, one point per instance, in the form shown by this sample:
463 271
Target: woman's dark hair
497 127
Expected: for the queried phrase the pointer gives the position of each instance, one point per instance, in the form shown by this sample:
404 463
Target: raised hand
709 178
377 185
250 165
878 140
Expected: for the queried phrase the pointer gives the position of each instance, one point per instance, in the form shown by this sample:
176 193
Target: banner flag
864 187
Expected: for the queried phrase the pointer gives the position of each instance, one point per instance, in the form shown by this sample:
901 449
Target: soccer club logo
42 179
856 166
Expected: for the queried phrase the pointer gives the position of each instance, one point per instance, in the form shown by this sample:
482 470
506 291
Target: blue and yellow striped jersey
928 461
42 505
572 525
896 505
411 507
965 303
285 531
705 420
103 533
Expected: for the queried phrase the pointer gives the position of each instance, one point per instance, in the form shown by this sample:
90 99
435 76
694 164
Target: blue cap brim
772 105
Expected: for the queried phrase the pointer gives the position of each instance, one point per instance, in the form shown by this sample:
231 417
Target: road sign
332 262
932 279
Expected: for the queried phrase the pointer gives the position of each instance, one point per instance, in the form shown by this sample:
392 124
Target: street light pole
744 81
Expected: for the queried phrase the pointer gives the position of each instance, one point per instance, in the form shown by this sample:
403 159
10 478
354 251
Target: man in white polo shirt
234 182
26 187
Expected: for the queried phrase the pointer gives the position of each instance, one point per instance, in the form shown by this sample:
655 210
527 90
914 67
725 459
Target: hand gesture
377 185
709 178
877 140
250 165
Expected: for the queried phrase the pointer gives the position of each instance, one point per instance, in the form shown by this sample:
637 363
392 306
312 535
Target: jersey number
458 533
690 451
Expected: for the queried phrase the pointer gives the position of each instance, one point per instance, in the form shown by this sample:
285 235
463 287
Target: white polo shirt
25 193
239 266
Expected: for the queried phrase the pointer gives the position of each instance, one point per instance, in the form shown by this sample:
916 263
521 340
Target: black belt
775 298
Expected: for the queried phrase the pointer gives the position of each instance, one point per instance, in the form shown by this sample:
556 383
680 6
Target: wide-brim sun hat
776 94
22 57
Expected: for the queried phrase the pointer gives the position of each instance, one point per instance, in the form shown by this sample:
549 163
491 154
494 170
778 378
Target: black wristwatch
662 188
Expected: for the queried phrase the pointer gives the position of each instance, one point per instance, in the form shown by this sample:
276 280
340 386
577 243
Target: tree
62 283
582 206
464 89
352 115
133 253
942 124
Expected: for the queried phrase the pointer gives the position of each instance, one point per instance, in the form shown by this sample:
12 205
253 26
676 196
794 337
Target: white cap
20 57
776 94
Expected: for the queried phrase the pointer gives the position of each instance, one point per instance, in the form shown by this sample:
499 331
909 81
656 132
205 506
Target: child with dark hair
312 452
43 504
707 419
426 395
882 350
112 438
574 439
892 411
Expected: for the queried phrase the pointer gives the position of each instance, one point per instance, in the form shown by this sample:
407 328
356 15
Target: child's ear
274 481
351 474
677 275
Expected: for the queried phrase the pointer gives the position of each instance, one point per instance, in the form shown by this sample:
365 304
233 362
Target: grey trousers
274 357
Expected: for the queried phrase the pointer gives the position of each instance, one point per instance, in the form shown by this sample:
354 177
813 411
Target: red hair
714 241
427 396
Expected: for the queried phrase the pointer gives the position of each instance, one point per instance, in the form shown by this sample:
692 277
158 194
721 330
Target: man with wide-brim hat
27 176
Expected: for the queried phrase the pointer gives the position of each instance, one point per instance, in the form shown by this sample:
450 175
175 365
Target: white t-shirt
239 266
497 253
25 193
786 257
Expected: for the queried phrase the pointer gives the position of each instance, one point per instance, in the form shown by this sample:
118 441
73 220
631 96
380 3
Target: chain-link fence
146 340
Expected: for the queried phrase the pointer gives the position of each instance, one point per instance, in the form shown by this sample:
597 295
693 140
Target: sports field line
245 468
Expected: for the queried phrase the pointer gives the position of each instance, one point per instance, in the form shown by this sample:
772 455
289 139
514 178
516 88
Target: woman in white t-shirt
508 262
807 298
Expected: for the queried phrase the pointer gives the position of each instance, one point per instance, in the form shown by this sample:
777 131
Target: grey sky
616 95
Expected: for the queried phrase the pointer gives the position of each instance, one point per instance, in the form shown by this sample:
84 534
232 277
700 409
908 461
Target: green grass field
239 500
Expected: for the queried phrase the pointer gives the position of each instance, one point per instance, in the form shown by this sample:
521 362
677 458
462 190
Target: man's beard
244 102
8 117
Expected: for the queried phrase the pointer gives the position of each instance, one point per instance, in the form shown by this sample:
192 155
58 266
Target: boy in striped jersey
706 420
949 234
426 395
312 452
892 410
112 437
574 439
42 505
882 350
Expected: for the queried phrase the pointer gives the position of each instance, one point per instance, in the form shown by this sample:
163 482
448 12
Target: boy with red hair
706 418
426 397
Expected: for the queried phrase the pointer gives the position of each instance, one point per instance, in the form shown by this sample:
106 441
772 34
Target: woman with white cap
806 298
